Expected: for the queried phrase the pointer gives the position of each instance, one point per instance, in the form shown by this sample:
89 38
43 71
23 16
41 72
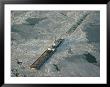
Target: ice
32 32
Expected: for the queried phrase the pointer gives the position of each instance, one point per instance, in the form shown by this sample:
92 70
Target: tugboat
48 53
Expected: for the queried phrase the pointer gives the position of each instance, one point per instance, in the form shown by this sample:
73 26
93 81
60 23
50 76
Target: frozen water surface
32 32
